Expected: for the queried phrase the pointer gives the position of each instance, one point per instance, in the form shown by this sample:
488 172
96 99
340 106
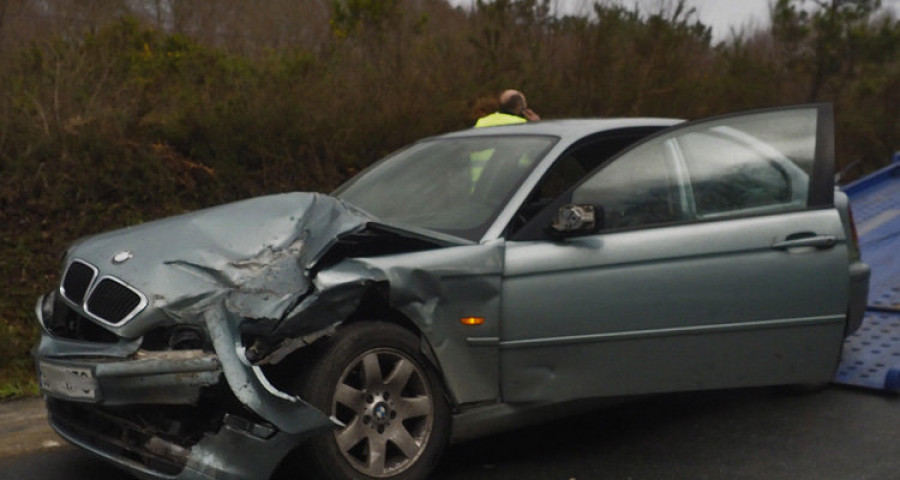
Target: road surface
840 433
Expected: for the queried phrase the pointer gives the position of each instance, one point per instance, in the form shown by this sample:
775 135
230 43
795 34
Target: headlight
44 309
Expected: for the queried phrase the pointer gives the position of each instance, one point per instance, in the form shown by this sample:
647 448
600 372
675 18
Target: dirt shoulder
24 428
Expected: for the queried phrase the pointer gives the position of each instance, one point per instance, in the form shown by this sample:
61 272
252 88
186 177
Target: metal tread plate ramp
871 356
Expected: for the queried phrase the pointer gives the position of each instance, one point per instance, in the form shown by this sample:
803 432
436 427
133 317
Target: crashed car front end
152 347
164 414
201 346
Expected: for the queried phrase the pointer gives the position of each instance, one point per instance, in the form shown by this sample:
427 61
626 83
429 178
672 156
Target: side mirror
574 219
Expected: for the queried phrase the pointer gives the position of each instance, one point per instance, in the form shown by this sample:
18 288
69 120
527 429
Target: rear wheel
374 380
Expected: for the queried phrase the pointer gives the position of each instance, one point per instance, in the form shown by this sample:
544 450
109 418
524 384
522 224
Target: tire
374 379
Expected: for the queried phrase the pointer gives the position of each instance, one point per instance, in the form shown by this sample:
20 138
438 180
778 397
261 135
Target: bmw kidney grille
106 299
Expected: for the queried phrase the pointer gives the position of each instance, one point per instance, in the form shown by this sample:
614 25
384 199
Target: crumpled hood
256 253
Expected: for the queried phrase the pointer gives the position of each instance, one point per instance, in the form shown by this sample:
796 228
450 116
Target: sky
721 15
725 15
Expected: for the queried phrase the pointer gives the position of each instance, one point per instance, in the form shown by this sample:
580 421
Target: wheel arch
375 307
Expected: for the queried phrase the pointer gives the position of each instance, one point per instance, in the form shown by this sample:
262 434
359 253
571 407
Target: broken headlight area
79 359
177 338
62 321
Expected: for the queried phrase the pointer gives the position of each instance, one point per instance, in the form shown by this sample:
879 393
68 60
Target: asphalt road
839 434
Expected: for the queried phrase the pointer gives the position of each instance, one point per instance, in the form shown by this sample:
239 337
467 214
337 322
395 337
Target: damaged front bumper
145 377
171 414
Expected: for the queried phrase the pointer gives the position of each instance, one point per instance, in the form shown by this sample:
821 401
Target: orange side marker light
472 321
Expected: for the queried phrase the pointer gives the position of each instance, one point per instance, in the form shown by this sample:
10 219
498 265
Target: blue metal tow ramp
871 356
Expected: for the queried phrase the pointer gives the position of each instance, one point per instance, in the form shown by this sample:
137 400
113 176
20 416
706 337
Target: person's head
513 102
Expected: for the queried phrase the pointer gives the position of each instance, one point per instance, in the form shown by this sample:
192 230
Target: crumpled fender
434 290
289 413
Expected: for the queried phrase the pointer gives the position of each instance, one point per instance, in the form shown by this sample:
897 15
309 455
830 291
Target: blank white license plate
72 382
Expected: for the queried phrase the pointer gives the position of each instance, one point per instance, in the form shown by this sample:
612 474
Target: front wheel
374 380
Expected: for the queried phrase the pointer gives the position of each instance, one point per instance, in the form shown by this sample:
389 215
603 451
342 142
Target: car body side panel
435 290
708 305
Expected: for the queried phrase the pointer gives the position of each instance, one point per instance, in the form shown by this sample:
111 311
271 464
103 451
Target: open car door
720 261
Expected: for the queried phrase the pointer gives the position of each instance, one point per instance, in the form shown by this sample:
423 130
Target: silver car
468 283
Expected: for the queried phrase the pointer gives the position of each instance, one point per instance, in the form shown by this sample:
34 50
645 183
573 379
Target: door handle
806 240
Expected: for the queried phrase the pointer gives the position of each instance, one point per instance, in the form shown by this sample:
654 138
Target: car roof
570 128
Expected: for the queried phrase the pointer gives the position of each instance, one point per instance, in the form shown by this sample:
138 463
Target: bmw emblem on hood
122 257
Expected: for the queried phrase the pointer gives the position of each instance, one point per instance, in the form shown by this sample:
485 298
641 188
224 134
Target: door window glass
640 188
727 175
740 165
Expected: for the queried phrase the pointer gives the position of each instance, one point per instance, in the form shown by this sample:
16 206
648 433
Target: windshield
456 186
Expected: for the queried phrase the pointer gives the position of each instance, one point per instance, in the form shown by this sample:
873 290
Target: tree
827 42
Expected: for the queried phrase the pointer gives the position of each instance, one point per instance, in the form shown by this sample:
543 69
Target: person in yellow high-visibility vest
513 109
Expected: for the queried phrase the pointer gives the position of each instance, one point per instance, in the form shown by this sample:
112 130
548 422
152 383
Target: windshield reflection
456 186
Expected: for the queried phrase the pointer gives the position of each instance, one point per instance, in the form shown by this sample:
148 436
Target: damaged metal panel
239 450
290 414
252 256
218 269
209 272
200 272
435 290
